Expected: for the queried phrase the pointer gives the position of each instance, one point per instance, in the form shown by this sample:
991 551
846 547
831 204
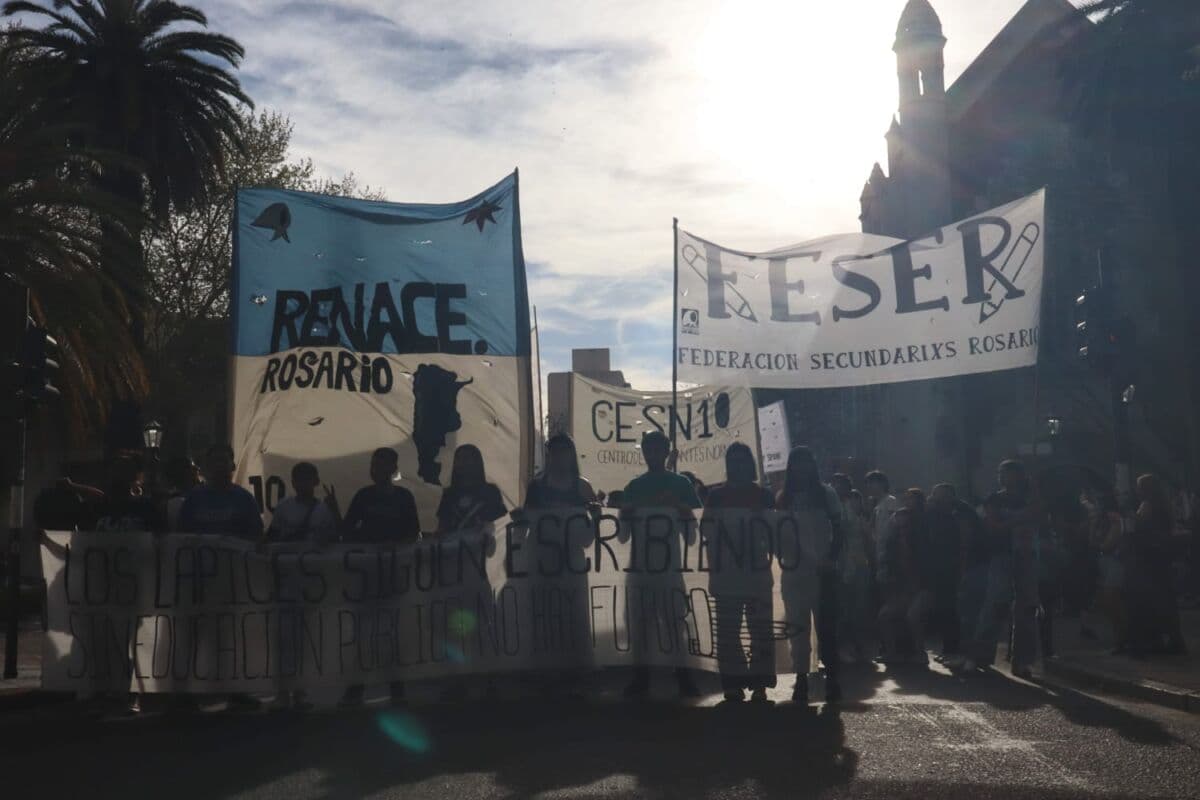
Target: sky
755 122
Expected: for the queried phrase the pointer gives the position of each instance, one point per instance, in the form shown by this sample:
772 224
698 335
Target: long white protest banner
361 324
861 309
718 591
607 423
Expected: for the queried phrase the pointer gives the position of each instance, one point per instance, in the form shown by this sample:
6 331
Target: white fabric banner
860 309
607 423
462 399
775 437
717 591
360 324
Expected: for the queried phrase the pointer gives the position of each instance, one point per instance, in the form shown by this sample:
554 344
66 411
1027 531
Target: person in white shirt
302 517
882 505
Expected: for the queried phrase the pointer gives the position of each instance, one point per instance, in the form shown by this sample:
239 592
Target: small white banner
607 423
775 437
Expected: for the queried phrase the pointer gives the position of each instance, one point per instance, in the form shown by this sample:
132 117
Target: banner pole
674 340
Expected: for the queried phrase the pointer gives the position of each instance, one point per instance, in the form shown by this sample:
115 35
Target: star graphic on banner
482 214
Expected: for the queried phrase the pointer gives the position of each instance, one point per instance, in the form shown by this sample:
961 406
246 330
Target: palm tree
50 242
145 84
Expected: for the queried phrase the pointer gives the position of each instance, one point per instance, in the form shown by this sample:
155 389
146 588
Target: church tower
923 149
914 197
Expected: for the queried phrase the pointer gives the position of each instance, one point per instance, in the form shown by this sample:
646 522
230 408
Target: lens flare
461 622
406 731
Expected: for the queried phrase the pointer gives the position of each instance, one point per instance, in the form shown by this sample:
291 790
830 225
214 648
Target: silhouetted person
804 492
951 525
382 513
658 488
182 476
1012 517
301 517
742 591
470 504
67 506
125 506
904 585
561 488
469 501
1153 611
219 506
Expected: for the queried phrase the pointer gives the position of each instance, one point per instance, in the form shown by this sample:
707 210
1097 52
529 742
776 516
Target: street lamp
1054 426
152 437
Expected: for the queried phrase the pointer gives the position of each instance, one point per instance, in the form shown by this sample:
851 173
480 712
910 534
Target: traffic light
36 362
1094 314
1105 341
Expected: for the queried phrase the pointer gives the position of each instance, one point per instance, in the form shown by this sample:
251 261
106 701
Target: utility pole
1106 344
32 374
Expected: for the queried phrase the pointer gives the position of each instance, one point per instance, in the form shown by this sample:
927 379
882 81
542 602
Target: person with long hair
740 590
1153 610
804 492
470 501
560 485
560 488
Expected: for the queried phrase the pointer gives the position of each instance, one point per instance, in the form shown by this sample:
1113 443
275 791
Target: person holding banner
804 492
560 485
740 589
219 506
380 513
302 517
658 488
469 501
561 488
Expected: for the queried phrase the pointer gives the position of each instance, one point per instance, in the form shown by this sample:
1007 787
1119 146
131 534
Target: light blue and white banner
361 324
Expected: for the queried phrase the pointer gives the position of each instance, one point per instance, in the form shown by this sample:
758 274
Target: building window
921 82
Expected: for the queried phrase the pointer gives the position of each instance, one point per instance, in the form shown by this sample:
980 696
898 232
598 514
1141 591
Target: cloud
754 122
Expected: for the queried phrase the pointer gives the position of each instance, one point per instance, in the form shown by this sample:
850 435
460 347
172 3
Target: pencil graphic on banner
742 307
1021 250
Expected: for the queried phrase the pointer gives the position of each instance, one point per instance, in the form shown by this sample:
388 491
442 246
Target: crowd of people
899 569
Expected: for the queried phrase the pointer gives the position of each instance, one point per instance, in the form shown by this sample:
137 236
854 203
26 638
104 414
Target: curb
20 699
1147 691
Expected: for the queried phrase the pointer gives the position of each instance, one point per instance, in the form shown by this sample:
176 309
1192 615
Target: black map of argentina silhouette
435 415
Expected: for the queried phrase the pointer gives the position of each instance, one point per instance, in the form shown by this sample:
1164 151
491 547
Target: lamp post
1054 426
152 435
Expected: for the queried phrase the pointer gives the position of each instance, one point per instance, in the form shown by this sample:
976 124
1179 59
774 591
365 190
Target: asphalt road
917 734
